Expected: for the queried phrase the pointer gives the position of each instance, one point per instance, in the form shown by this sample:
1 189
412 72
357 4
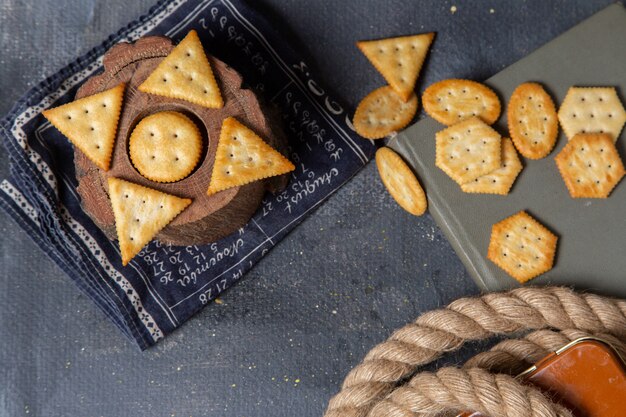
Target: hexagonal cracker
468 150
590 165
522 246
501 180
592 110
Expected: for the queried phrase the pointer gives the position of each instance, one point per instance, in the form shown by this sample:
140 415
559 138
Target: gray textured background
286 335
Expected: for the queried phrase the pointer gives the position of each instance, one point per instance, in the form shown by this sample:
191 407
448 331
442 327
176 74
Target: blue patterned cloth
165 285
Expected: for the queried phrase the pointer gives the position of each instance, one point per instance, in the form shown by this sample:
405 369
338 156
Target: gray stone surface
286 335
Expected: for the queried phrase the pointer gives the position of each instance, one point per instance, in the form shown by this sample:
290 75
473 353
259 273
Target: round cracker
452 101
401 182
383 111
532 120
165 146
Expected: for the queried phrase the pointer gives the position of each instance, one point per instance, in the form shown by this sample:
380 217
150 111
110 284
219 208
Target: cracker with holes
452 101
399 60
165 146
401 182
242 157
522 247
90 123
140 213
185 74
501 180
532 119
592 110
382 112
468 150
590 165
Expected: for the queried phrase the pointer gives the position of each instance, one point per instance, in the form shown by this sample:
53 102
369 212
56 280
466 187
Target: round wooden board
208 218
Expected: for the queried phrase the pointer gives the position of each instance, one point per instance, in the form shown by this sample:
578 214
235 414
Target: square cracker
501 180
468 150
399 60
522 247
590 165
592 110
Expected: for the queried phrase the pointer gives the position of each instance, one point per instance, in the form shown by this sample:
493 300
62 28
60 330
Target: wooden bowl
208 218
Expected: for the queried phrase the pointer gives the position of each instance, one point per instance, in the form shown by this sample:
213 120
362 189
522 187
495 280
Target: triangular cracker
399 60
242 157
140 213
90 123
185 74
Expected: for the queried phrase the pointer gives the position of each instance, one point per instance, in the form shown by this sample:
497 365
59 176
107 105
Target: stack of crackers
165 146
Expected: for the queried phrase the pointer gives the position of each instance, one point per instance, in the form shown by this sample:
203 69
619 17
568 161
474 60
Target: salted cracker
522 247
590 165
90 123
501 180
592 110
468 150
140 213
185 74
399 60
533 121
242 157
165 146
383 111
401 182
452 101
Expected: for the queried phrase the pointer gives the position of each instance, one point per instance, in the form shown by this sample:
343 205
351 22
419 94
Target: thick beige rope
446 329
456 390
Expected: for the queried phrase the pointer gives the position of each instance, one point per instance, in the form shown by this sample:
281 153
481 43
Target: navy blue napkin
165 285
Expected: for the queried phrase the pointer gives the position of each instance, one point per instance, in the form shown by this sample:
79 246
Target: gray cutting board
592 232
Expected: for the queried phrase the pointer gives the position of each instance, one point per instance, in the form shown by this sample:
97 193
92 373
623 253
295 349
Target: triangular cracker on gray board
591 244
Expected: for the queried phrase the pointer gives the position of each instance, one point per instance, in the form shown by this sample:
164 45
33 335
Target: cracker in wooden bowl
468 150
90 123
140 213
453 101
592 110
165 146
383 111
185 74
522 246
242 157
590 165
401 182
399 60
532 119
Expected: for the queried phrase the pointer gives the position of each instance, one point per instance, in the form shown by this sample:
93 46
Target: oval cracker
383 111
532 119
452 101
401 182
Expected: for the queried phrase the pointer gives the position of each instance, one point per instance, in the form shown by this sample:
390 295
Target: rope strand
444 330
